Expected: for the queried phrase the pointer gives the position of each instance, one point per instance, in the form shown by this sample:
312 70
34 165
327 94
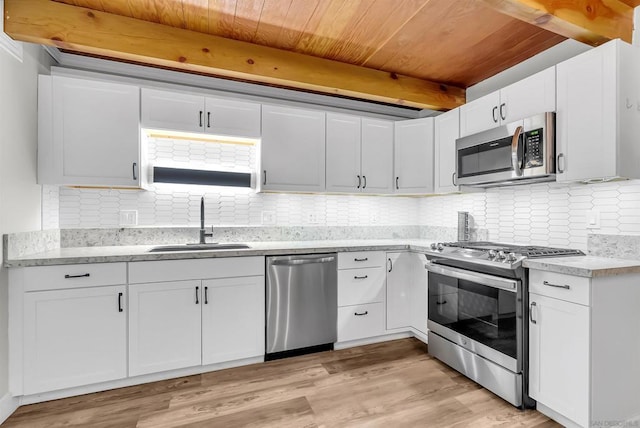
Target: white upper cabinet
377 156
530 96
598 116
343 153
413 156
178 111
446 131
293 149
89 133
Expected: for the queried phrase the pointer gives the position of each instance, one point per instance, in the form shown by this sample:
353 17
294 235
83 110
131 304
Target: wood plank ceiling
458 43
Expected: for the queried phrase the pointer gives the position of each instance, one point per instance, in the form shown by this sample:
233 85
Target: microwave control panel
533 148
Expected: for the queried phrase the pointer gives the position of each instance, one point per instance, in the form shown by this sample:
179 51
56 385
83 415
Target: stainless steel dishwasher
302 304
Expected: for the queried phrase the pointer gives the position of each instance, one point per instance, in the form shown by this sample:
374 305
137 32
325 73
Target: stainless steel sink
199 247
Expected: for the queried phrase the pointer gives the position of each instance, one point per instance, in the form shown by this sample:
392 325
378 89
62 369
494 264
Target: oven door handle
479 278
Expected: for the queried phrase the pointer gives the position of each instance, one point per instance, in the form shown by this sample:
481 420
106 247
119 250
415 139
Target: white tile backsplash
543 214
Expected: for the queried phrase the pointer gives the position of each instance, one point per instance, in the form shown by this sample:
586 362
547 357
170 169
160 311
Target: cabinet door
586 128
377 156
446 131
533 95
559 356
164 326
233 321
74 337
413 158
292 149
343 153
233 118
398 290
173 111
96 133
480 115
418 293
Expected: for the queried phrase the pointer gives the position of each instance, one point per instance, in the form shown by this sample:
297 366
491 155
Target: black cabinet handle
390 264
200 118
359 181
531 306
502 114
120 302
453 179
134 167
364 177
361 277
361 260
361 314
566 287
206 295
397 186
560 156
493 114
197 292
84 275
441 303
208 119
264 182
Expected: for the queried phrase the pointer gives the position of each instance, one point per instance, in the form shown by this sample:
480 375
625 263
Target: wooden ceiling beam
99 33
589 21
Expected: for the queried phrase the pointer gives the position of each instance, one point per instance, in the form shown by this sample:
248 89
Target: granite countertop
130 253
586 266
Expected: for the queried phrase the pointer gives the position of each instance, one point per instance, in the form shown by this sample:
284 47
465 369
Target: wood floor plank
391 384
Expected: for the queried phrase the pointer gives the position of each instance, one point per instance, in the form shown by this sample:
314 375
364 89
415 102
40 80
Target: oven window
482 313
486 158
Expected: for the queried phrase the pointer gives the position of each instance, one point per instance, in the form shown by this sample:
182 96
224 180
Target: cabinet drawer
358 286
361 259
180 270
74 276
360 321
570 288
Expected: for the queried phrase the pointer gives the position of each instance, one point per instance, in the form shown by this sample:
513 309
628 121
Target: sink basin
198 247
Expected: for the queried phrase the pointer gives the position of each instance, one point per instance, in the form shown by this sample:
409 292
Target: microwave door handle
516 161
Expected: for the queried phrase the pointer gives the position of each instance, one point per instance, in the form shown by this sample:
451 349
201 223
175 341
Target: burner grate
524 250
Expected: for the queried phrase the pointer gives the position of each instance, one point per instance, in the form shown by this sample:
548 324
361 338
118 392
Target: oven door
479 312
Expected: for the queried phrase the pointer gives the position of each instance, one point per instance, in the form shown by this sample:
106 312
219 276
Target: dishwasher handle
295 262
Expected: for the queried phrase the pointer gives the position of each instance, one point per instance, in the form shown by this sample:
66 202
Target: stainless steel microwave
516 153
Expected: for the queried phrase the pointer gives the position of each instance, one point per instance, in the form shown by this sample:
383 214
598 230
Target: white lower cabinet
360 321
74 337
207 312
583 354
233 319
406 291
164 326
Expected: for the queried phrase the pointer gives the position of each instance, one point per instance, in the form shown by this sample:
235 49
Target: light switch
593 219
268 217
128 217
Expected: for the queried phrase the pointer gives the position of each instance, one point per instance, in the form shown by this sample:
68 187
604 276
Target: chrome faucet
203 233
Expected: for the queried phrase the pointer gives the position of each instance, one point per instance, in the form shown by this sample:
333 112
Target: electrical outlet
268 217
373 218
312 218
128 217
593 219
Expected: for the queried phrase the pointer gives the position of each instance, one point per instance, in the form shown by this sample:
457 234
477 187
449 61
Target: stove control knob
433 246
440 247
512 257
501 255
492 254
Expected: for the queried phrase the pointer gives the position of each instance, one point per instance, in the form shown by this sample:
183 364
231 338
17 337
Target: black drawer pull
120 302
206 295
566 287
197 292
361 277
441 303
359 315
361 260
84 275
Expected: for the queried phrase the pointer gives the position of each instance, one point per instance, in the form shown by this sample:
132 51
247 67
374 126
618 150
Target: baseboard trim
8 405
371 340
556 416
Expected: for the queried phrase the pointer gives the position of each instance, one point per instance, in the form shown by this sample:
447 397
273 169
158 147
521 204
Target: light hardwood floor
392 384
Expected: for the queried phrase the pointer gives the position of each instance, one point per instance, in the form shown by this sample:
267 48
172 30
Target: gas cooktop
495 253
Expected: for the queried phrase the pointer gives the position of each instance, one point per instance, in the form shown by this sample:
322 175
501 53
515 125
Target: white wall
19 194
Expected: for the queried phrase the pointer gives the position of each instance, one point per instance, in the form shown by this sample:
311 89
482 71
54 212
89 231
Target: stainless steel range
478 295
